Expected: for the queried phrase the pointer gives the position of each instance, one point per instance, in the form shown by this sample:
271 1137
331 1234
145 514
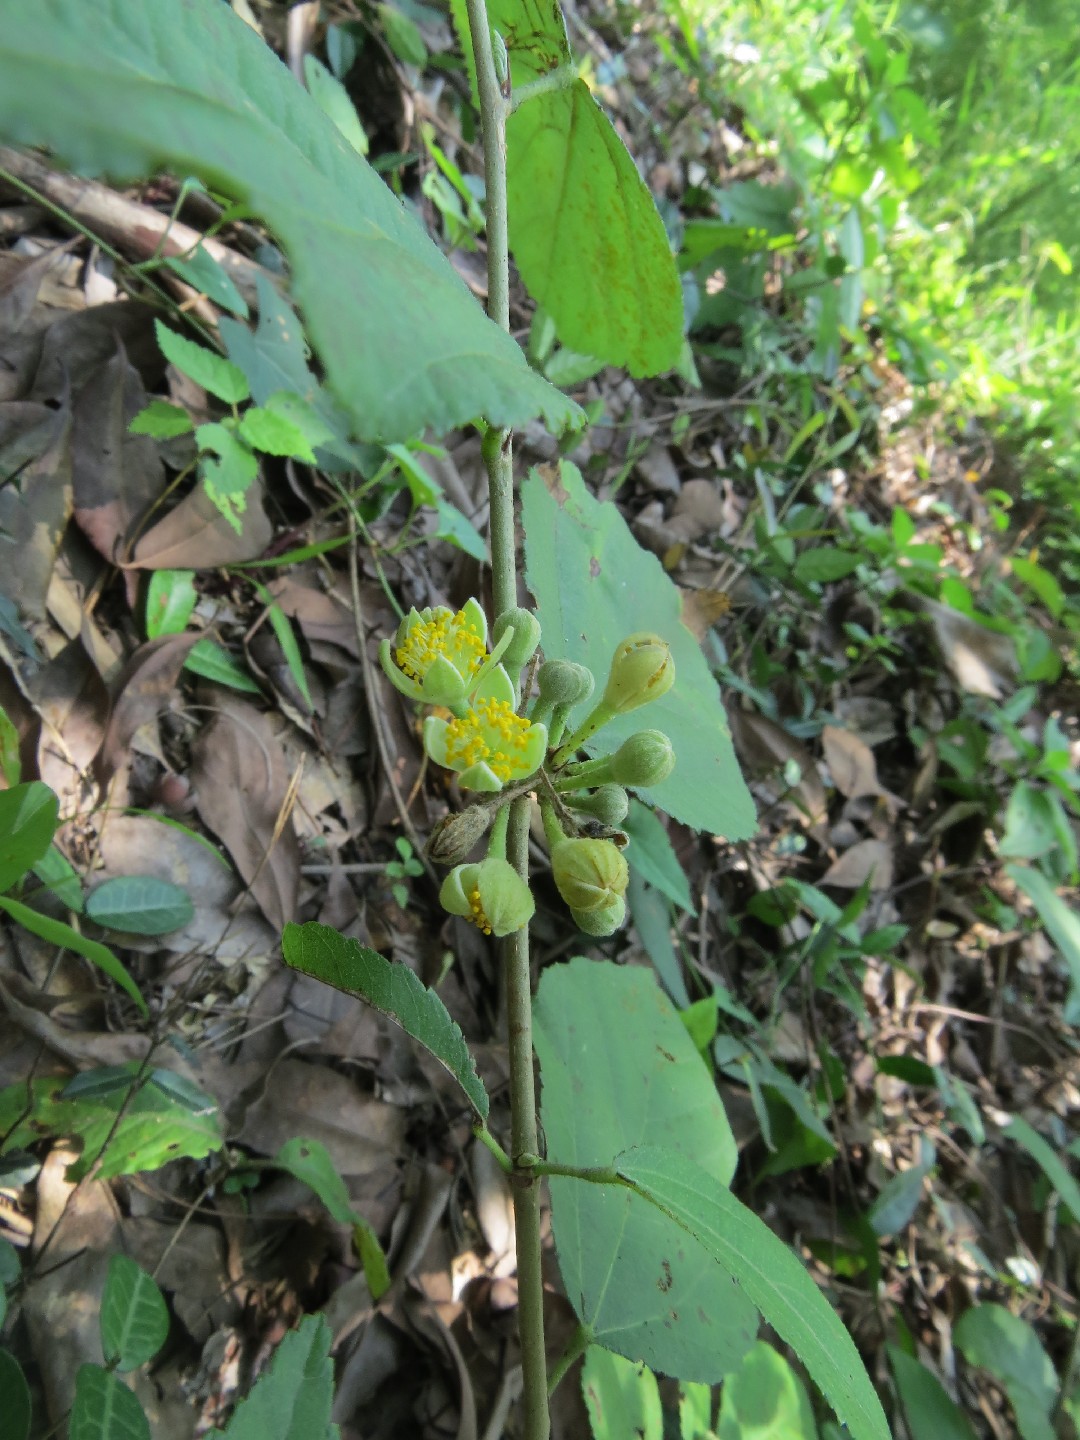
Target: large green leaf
584 230
134 1319
619 1069
594 585
292 1400
27 825
319 951
140 904
771 1276
163 1119
192 88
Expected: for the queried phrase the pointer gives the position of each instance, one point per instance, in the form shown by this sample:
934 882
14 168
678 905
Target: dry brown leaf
143 691
700 508
35 506
117 476
764 747
982 661
851 763
319 616
76 346
197 536
701 609
242 783
868 859
20 280
73 704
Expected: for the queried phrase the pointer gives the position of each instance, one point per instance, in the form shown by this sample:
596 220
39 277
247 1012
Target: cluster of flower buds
496 743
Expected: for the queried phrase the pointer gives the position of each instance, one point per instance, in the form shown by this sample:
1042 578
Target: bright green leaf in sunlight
767 1273
333 99
192 88
619 1069
28 815
930 1413
584 230
134 1317
213 662
275 434
207 368
170 601
162 420
622 1398
319 951
594 585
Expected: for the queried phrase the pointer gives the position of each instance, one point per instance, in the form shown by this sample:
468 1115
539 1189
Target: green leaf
321 952
134 1318
1048 1160
140 904
10 764
14 1398
208 659
1031 823
765 1397
28 817
1006 1346
825 563
193 88
618 1070
457 529
292 1401
650 852
287 640
310 1162
156 1126
651 914
333 100
622 1398
56 932
170 602
930 1413
162 421
207 368
210 277
273 433
230 476
594 585
1062 925
56 873
769 1274
900 1196
586 235
1041 581
105 1409
10 1265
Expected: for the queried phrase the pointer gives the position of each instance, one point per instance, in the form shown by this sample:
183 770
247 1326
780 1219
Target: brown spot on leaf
665 1275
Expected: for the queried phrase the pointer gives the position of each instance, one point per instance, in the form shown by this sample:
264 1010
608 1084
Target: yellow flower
489 745
439 657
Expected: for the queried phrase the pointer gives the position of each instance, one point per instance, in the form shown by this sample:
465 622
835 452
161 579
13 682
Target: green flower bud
589 874
492 895
642 670
601 922
609 804
455 835
562 682
526 638
644 759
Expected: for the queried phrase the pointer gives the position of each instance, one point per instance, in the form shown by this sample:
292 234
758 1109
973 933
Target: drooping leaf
190 86
319 951
310 1162
156 1126
930 1413
292 1400
28 815
594 585
209 276
56 873
57 932
105 1409
134 1318
770 1275
140 904
619 1069
622 1398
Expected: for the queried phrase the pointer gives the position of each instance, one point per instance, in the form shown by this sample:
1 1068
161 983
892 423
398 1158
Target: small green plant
405 867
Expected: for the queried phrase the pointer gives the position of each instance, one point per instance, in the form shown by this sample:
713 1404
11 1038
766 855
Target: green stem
578 1343
484 1135
499 461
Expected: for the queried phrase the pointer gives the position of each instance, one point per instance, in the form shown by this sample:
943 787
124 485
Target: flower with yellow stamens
492 895
489 745
439 657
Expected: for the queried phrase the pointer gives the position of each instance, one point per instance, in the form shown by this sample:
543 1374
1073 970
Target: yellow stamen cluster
429 639
476 911
467 744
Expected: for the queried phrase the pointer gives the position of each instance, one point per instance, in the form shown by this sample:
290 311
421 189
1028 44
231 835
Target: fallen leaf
20 280
143 691
197 536
765 747
982 661
73 704
701 609
242 783
867 860
35 506
851 763
319 616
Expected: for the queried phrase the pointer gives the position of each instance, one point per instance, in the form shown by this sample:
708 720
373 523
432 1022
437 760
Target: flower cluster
441 658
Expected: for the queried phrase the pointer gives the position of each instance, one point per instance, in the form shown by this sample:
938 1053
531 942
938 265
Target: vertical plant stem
499 460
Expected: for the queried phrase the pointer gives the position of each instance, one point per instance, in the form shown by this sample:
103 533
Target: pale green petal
532 756
478 777
496 685
397 676
474 615
443 683
454 892
435 740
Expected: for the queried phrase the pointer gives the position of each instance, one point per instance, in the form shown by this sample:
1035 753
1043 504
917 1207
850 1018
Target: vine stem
499 461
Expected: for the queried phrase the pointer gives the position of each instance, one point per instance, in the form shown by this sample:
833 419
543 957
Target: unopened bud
609 804
646 758
601 922
642 670
455 835
561 682
589 874
522 647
